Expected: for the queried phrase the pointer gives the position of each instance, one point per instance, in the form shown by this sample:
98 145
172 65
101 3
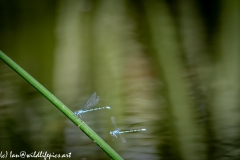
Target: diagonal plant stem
64 109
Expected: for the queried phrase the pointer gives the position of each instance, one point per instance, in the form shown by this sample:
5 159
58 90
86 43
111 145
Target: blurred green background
170 66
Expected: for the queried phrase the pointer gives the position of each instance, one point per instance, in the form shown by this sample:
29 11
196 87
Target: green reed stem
64 109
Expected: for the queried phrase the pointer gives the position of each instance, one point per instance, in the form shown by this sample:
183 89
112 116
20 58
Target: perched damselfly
117 131
93 100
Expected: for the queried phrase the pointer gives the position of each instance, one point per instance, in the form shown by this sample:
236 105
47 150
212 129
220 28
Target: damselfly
117 131
93 100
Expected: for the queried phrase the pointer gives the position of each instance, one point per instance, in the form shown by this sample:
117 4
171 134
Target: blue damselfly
93 100
118 131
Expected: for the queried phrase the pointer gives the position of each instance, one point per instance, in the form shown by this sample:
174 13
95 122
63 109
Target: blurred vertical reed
164 39
225 87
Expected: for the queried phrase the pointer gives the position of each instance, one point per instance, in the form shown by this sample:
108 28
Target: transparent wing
93 100
136 125
114 122
122 138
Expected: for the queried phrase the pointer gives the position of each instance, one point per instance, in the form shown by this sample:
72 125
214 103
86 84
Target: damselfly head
112 133
78 114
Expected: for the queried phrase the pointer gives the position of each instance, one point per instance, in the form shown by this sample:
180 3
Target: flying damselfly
93 100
